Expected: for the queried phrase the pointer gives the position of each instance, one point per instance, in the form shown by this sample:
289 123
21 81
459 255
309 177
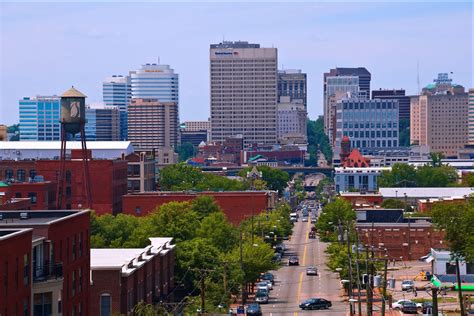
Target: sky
47 47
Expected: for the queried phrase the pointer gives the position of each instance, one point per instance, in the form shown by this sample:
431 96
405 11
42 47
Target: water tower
73 120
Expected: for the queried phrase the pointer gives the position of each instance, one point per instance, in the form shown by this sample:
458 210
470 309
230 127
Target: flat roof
14 218
425 192
56 145
12 232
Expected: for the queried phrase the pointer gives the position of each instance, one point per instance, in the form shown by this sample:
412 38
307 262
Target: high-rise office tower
292 117
395 94
117 92
39 118
439 118
152 124
292 83
471 117
340 81
103 124
155 81
243 92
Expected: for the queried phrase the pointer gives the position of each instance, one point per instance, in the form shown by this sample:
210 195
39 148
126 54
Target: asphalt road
292 285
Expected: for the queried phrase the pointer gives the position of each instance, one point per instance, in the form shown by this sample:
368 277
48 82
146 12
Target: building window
8 174
43 304
138 210
74 248
25 307
105 305
33 197
80 279
450 268
73 283
20 174
18 195
26 269
68 177
32 174
470 268
81 238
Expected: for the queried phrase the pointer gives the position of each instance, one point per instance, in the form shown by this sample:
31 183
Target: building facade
103 124
194 132
121 278
39 118
57 271
195 126
243 92
359 179
471 117
155 81
368 123
433 117
153 124
140 173
292 119
141 204
395 94
337 83
292 83
117 92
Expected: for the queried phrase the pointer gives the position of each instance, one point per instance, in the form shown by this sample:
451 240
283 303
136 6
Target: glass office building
117 92
39 118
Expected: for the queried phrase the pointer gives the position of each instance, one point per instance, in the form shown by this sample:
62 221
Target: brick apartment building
121 278
362 200
231 202
42 195
15 267
59 263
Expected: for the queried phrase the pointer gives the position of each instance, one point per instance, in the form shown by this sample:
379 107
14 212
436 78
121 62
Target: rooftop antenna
418 76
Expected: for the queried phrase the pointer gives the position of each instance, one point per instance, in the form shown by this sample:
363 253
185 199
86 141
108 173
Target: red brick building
108 182
425 205
406 241
121 278
60 259
237 205
363 200
42 195
15 275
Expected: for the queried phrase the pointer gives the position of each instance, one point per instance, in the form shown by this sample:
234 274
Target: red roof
355 159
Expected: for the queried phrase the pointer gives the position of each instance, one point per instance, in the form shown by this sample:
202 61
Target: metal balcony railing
48 272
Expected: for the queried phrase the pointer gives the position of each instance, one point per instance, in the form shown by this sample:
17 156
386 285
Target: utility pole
367 285
384 291
434 292
371 279
359 303
242 268
351 308
458 277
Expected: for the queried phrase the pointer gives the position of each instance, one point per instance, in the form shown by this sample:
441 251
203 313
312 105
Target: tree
180 177
185 151
112 231
218 231
393 203
336 213
276 179
317 141
442 176
436 158
458 223
401 175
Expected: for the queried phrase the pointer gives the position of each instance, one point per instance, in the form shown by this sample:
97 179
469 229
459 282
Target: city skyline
109 39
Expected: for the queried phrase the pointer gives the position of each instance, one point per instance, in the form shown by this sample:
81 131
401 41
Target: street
292 285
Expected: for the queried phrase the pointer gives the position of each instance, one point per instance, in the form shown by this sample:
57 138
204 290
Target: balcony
48 272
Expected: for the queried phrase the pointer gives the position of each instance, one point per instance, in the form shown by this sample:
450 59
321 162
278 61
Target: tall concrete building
439 118
243 92
103 124
339 82
292 83
395 94
39 118
117 92
292 117
152 124
369 124
471 117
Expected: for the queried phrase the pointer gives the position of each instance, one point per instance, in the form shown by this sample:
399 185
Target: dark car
409 308
427 308
293 261
268 277
315 303
261 297
254 309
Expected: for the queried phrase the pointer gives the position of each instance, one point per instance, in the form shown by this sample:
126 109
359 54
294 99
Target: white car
263 286
399 304
269 284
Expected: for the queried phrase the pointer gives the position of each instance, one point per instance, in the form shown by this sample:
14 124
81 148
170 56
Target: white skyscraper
153 81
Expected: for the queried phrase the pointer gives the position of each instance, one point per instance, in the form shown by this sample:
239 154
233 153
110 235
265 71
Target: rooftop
56 145
425 192
30 218
73 92
9 233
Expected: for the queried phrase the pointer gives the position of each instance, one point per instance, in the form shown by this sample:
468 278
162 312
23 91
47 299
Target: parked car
293 261
399 304
315 303
261 298
408 285
254 309
277 257
269 284
314 219
304 219
409 308
263 285
268 276
264 291
311 270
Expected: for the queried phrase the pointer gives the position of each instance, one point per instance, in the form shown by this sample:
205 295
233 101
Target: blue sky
47 47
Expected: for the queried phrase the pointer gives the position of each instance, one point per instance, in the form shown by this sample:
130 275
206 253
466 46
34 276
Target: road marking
295 314
300 283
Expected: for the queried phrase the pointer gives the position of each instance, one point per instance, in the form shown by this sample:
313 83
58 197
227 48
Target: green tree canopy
218 231
317 141
338 212
185 151
275 179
